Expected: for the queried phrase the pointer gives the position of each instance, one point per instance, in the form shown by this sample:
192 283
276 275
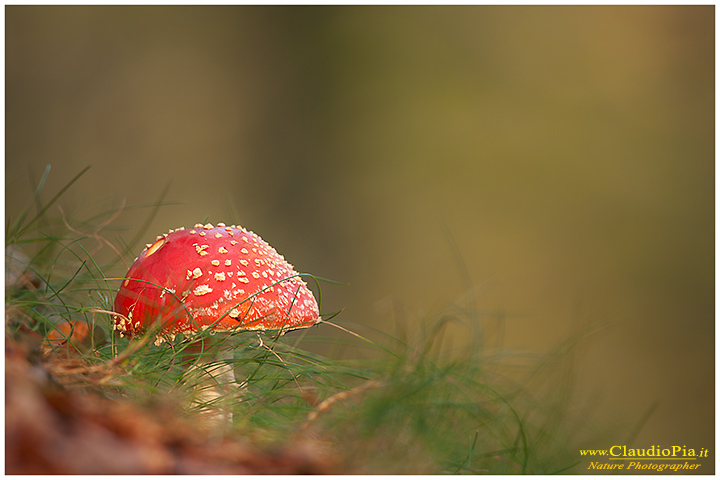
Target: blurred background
554 165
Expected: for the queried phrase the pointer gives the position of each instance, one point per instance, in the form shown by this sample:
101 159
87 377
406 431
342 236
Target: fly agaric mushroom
212 277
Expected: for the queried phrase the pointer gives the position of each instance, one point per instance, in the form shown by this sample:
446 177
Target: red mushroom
220 278
223 278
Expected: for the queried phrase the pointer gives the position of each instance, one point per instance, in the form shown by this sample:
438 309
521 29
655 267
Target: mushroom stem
210 372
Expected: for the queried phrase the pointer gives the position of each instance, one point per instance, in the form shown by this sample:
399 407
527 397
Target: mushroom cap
218 277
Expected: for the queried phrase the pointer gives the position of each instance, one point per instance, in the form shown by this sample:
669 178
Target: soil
57 423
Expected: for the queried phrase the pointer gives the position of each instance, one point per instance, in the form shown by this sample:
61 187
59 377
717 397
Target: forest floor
55 424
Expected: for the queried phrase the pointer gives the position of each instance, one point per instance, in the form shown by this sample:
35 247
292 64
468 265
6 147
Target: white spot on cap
202 290
215 263
220 224
208 226
192 232
245 262
220 276
218 235
223 250
227 262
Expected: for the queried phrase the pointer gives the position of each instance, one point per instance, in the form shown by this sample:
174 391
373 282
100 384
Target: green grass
408 406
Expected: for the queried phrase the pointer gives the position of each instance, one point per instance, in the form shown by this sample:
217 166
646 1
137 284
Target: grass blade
51 202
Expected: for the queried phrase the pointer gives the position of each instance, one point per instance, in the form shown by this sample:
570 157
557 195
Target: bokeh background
554 164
